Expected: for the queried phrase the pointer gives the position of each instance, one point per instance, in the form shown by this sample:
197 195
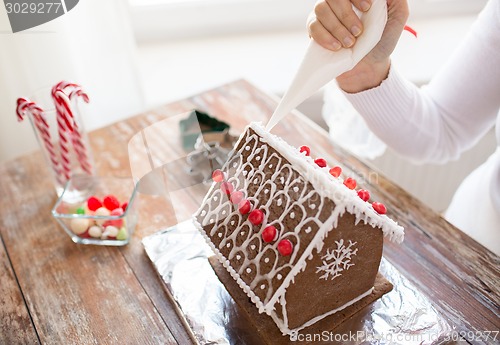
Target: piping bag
319 65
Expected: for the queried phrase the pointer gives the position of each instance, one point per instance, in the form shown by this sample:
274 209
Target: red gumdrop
305 149
111 202
218 176
320 162
244 206
85 234
335 171
285 247
226 187
350 183
256 217
269 233
236 197
379 208
364 194
93 203
115 222
124 206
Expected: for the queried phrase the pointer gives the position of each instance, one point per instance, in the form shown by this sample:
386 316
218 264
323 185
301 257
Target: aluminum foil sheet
179 254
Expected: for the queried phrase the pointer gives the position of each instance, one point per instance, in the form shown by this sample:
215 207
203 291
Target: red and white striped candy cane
64 125
24 106
76 135
68 127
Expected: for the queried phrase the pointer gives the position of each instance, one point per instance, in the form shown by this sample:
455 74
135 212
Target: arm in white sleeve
439 121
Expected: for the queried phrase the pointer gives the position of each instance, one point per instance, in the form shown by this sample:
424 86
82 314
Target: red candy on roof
306 150
226 187
335 171
285 247
269 234
320 162
364 194
379 208
244 206
350 183
218 176
236 197
256 217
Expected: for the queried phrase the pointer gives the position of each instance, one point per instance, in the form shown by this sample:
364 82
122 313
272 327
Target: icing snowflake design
337 260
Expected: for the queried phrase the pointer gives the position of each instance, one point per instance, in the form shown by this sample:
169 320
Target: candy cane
63 127
24 106
76 136
68 126
63 107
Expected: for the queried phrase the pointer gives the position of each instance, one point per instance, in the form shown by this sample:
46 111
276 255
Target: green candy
122 234
80 210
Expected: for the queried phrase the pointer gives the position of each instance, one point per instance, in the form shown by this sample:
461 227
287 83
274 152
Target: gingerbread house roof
299 198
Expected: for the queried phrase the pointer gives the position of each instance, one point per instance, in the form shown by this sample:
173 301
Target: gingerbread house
301 241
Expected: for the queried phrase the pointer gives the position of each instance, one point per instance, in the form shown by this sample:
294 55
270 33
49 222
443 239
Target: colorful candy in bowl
105 214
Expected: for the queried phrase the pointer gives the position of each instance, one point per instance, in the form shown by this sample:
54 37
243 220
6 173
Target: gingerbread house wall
358 251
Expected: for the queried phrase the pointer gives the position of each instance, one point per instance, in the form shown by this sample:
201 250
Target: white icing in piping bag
319 65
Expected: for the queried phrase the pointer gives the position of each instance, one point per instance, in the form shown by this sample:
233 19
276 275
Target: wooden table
53 291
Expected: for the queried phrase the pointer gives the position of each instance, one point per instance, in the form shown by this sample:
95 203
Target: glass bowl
105 221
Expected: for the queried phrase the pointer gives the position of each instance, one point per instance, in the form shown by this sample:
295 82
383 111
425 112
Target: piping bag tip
320 66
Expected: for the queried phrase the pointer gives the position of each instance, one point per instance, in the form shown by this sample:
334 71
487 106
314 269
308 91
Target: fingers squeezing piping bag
319 65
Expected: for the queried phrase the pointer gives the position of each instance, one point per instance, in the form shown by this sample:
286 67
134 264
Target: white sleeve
439 121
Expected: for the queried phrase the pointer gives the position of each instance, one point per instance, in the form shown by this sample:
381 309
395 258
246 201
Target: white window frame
155 20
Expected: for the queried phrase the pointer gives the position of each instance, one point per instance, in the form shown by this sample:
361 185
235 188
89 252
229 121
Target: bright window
183 19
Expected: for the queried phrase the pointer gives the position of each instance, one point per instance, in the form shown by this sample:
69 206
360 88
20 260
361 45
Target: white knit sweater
439 121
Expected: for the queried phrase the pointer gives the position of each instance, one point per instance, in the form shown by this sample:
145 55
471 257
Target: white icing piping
331 187
283 324
316 243
337 260
226 263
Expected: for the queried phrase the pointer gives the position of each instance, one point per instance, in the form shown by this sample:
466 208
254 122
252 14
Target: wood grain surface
54 291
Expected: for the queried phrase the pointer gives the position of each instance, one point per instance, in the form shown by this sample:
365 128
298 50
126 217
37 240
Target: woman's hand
334 25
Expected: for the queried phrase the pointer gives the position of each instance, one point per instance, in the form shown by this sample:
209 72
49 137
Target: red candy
285 247
335 171
256 217
93 203
320 162
85 234
379 207
305 149
269 233
218 176
124 206
236 197
111 202
244 206
115 222
364 194
350 183
226 187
